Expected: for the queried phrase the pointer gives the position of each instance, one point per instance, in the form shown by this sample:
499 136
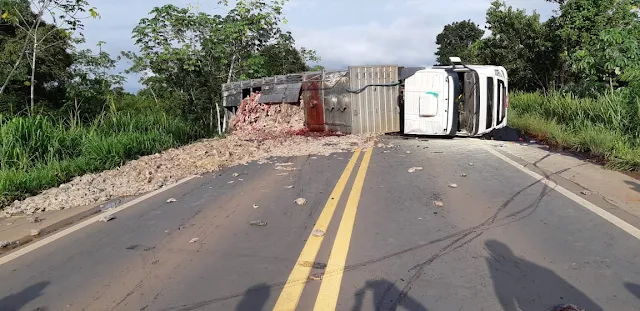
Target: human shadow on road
386 296
20 299
523 285
633 288
635 186
255 298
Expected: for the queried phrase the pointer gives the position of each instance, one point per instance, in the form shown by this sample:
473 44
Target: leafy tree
523 45
185 56
456 39
91 83
601 39
40 35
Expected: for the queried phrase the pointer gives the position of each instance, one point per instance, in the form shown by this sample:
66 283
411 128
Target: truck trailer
452 100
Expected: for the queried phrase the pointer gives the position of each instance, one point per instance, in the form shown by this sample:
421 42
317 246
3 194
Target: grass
39 152
607 127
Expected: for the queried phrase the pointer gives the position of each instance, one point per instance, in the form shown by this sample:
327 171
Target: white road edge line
37 244
574 197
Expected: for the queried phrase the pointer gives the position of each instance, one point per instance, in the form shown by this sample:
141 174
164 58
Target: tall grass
607 127
41 152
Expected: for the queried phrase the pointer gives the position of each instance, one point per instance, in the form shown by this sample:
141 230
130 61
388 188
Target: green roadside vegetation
64 110
574 77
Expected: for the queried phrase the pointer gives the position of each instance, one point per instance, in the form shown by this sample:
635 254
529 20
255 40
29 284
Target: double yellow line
330 288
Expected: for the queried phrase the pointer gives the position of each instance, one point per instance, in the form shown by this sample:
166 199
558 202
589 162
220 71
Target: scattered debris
284 168
283 174
453 185
316 276
471 164
533 142
9 223
231 182
290 187
259 223
255 206
284 164
172 200
34 219
240 179
415 169
463 175
314 158
194 240
317 233
585 192
301 201
438 204
235 174
420 218
314 265
107 218
386 151
408 152
4 244
567 308
438 152
35 232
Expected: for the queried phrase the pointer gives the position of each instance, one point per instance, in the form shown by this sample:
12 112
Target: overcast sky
343 32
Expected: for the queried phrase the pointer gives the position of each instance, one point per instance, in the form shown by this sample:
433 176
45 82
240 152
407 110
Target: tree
523 45
456 39
91 83
600 38
40 35
188 55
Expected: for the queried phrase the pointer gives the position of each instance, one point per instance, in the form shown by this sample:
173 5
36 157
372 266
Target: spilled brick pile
266 121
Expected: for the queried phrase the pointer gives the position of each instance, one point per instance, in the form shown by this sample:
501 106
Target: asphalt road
501 241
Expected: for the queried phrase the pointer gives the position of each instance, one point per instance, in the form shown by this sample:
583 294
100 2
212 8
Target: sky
343 33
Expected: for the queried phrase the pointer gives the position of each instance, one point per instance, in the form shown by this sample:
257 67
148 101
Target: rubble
35 232
317 233
259 223
33 219
316 276
252 140
4 244
107 218
301 201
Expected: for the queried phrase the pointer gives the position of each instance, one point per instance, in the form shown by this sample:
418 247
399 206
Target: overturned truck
455 100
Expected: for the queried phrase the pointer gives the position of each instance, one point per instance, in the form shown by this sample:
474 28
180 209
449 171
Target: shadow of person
254 298
633 288
635 186
20 299
524 285
386 296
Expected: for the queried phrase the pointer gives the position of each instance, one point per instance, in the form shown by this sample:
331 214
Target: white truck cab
456 100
